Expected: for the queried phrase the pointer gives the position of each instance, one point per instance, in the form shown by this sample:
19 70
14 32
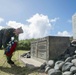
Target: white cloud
1 27
64 33
38 26
14 24
1 19
54 20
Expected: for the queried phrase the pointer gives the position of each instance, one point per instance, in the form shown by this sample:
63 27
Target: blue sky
38 18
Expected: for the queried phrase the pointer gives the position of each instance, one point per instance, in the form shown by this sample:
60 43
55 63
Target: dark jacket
5 36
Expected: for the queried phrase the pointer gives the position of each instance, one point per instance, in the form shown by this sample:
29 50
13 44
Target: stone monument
74 25
49 47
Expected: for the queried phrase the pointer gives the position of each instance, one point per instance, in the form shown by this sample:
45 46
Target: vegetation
19 68
24 44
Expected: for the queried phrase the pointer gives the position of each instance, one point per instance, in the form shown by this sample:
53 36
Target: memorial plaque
42 49
34 49
42 55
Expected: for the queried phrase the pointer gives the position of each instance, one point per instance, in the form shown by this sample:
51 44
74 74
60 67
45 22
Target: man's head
18 31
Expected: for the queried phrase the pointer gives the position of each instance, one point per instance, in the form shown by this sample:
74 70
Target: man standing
6 35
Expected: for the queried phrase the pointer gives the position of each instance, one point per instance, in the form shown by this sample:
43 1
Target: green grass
19 68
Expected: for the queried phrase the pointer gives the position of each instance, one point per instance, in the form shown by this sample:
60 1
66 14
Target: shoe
10 62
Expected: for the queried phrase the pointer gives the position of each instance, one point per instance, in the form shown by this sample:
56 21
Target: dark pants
8 57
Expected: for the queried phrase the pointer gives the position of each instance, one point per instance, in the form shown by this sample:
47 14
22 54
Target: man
6 35
70 51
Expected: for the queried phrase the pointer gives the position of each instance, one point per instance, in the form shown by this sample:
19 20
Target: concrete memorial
74 25
49 47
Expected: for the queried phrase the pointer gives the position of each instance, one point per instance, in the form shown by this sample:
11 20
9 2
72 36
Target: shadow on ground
18 70
15 70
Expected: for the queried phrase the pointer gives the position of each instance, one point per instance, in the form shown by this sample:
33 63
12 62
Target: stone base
31 63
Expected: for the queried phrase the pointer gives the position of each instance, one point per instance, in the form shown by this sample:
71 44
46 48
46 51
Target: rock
75 74
54 72
68 59
74 61
23 54
43 66
74 56
67 73
26 55
58 65
73 69
66 56
50 63
71 50
47 69
67 66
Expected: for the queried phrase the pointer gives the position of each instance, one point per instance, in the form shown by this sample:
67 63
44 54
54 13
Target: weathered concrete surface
49 47
31 63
